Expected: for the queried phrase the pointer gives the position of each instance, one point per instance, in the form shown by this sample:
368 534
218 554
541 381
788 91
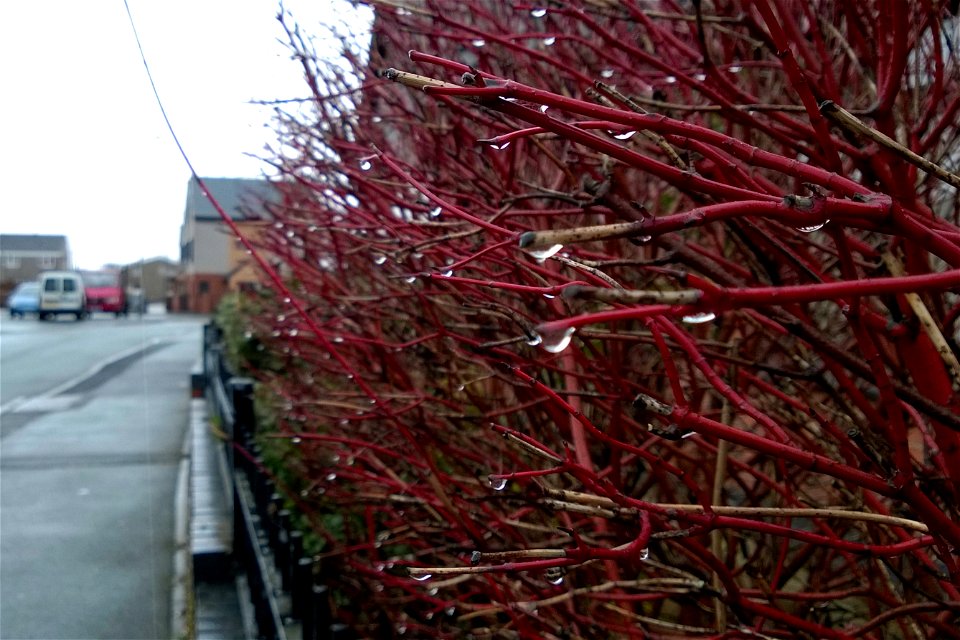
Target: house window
204 287
48 262
11 262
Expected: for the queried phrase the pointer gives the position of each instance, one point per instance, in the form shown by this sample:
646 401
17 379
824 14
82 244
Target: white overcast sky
85 150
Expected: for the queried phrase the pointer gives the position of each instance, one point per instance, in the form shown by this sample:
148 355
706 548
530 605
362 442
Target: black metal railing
287 596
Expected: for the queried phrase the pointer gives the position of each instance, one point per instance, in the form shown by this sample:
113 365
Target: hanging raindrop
549 41
497 484
538 12
606 73
365 165
379 259
435 212
542 254
478 42
699 318
422 577
644 553
626 135
557 340
813 227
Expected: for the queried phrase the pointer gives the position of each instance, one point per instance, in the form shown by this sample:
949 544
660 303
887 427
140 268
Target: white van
62 292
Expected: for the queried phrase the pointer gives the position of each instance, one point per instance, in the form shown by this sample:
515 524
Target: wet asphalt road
92 422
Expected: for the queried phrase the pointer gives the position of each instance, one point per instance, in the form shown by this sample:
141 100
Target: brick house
208 255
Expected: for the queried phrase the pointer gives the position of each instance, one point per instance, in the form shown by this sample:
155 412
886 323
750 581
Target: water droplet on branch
606 73
626 135
478 42
538 12
422 577
497 484
556 340
435 212
549 41
699 318
813 227
541 255
365 165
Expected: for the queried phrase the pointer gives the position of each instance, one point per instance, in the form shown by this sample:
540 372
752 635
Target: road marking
47 404
17 403
12 405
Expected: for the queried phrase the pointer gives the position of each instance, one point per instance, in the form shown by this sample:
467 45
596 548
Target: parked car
24 299
62 292
104 291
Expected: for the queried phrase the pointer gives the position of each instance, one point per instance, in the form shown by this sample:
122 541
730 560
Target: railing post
209 340
318 617
244 419
300 590
289 571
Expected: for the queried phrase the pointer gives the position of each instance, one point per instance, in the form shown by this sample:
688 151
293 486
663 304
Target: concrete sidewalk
208 600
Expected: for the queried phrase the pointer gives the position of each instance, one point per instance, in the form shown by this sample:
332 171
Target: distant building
23 257
207 248
151 281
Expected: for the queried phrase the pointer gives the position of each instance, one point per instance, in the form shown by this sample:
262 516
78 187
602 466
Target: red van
104 291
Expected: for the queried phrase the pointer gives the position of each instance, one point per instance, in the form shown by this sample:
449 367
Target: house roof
13 242
241 198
